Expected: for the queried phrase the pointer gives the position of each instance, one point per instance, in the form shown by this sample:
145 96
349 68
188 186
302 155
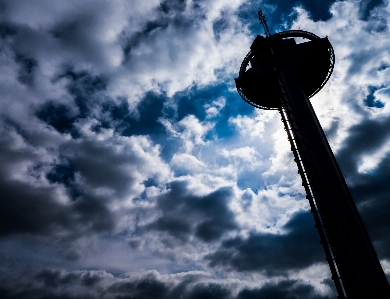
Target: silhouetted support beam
352 252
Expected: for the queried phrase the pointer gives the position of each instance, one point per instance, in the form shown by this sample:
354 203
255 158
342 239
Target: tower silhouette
283 75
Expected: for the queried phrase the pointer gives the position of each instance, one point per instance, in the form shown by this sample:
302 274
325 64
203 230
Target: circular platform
312 63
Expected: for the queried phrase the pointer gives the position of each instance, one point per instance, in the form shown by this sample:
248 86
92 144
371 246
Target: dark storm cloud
150 287
275 254
372 191
364 138
25 209
31 216
27 69
57 284
28 207
184 214
373 186
209 291
54 278
147 287
78 166
118 170
51 283
6 29
287 289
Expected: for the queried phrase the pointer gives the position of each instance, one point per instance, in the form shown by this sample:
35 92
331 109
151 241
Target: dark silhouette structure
283 75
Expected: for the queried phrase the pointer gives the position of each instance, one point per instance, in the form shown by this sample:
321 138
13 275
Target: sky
131 168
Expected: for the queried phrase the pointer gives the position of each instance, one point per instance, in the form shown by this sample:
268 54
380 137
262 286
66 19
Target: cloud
185 216
89 284
367 6
55 278
297 248
30 205
35 197
252 126
285 289
126 150
180 37
185 163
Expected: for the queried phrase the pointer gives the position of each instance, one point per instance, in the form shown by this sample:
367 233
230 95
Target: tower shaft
354 265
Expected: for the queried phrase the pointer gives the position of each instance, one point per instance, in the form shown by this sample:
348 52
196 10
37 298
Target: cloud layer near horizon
130 167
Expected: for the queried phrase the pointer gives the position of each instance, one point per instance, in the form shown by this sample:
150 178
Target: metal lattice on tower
278 73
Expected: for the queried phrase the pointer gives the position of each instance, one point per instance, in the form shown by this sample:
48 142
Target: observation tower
280 74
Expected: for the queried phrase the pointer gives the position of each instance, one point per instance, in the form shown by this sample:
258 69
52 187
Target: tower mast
283 76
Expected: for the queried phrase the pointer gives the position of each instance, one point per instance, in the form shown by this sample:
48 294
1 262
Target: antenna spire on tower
263 22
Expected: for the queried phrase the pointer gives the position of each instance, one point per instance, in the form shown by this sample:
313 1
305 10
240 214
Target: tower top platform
312 63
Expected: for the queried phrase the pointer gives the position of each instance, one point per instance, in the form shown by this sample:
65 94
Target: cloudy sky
131 168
